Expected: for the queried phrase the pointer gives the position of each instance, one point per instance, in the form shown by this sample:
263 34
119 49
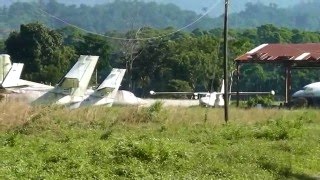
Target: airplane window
308 88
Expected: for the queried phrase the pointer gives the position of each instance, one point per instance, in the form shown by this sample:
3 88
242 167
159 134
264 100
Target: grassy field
158 143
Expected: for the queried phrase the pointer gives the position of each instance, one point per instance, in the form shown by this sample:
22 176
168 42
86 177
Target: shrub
265 101
279 129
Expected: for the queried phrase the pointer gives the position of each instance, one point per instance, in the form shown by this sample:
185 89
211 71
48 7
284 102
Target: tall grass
157 143
13 114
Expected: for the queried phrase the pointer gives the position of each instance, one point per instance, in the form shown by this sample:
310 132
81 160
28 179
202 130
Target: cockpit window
308 89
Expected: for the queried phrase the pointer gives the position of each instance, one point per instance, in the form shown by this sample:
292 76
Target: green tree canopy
41 50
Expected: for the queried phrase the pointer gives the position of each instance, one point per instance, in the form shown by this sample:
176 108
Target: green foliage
122 18
179 85
2 47
257 14
280 129
154 113
265 101
193 59
92 143
40 49
117 15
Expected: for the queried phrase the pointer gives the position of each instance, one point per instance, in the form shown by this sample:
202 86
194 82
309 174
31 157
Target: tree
2 47
41 50
194 60
268 34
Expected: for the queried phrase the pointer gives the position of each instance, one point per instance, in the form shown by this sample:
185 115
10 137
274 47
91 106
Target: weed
157 143
281 168
279 129
106 135
10 140
234 132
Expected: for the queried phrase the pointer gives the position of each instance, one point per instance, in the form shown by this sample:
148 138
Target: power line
129 39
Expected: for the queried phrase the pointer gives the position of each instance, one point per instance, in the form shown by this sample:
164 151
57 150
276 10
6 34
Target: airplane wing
178 93
187 93
158 93
216 93
272 92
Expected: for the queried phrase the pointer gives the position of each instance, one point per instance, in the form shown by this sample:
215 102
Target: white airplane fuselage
26 94
212 100
310 93
90 100
310 90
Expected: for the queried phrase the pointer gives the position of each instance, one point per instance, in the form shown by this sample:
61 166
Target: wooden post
226 72
238 85
289 87
287 82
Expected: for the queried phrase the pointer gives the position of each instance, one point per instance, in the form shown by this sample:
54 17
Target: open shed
290 56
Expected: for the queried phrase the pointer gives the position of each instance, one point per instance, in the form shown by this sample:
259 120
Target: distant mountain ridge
124 15
198 6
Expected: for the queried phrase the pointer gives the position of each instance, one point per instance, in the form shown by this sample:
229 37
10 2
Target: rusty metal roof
282 52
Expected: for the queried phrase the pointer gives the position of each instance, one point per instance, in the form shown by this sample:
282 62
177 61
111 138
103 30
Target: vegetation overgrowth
157 142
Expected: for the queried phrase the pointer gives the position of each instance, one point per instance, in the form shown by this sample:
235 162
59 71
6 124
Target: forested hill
194 5
126 15
117 16
303 16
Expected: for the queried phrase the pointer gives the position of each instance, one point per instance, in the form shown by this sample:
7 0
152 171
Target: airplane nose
298 93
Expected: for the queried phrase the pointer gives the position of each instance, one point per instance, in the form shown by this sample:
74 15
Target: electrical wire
130 39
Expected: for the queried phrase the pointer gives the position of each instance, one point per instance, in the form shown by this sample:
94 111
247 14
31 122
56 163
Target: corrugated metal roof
283 52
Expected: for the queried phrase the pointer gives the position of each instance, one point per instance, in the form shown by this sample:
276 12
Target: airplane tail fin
106 92
219 101
79 76
13 76
222 87
5 66
72 87
111 84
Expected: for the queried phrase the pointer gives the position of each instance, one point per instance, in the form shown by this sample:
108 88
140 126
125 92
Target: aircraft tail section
111 84
72 87
222 87
5 66
106 92
78 78
13 76
219 101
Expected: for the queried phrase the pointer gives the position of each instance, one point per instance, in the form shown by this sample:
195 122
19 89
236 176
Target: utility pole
225 54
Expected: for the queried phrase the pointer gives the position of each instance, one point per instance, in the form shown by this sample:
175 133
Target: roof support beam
238 81
287 69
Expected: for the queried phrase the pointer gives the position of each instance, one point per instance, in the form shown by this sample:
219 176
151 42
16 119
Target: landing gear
299 102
